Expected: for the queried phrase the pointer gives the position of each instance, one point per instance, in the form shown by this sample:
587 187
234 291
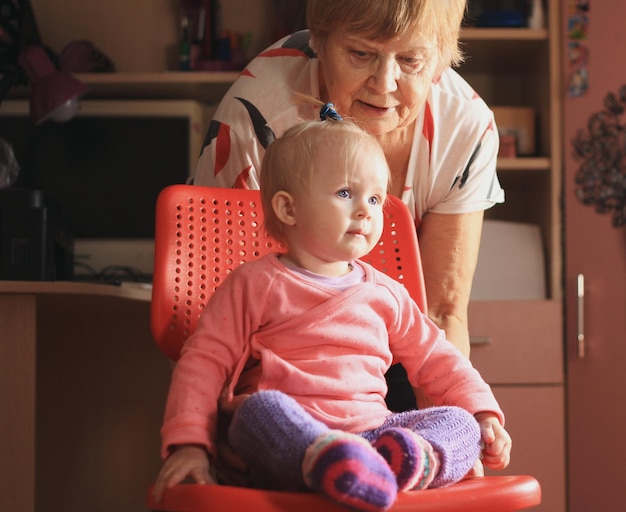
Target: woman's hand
496 453
186 461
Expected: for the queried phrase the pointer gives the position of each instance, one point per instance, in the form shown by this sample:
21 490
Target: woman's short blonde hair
289 162
381 20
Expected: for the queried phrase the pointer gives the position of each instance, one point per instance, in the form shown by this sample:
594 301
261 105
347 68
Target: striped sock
410 457
345 468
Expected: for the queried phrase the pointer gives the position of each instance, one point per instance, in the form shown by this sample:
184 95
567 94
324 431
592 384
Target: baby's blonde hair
289 162
381 20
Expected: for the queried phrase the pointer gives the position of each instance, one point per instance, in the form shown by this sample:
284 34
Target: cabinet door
595 382
535 418
517 342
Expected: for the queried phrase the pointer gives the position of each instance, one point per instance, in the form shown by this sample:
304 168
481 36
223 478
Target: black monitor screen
104 173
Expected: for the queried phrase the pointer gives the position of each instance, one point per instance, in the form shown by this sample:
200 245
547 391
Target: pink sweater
267 327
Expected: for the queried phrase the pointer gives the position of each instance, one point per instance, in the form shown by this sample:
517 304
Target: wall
141 35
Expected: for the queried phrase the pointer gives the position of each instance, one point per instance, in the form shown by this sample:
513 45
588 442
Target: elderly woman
387 65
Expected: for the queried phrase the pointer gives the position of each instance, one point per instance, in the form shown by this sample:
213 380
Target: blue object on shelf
504 18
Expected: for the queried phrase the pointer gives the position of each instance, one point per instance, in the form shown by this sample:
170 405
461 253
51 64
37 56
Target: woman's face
381 84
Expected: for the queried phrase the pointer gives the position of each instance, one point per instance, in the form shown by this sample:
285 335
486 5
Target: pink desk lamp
54 94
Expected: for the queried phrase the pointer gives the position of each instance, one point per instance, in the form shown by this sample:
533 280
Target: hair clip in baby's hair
328 112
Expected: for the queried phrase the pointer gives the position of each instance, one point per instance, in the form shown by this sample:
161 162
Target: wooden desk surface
135 291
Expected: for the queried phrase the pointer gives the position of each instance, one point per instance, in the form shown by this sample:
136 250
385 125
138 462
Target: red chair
202 234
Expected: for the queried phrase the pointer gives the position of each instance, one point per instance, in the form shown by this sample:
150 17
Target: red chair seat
488 494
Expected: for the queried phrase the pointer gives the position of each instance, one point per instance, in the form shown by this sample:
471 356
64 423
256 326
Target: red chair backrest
203 233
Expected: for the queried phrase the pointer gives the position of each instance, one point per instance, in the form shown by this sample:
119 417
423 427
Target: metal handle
580 315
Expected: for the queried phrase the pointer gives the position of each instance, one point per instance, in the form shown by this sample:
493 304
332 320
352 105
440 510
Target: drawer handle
580 315
480 340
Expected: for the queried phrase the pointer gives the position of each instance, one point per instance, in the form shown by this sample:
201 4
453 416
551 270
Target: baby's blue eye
344 193
373 200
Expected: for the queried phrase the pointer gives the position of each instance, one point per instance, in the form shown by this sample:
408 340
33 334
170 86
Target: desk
82 391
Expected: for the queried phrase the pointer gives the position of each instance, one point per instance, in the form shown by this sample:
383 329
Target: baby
303 339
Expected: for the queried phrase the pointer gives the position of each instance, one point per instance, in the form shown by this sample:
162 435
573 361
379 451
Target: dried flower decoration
601 178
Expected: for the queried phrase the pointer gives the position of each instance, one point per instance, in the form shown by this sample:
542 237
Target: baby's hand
187 461
497 442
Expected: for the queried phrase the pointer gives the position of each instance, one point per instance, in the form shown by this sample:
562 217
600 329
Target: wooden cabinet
519 67
518 345
82 389
535 421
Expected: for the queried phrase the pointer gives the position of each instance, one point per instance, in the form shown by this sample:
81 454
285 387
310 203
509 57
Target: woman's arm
449 246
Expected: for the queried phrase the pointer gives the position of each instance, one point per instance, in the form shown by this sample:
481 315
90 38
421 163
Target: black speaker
34 243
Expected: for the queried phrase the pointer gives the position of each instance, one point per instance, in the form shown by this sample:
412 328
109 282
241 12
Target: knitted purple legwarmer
286 449
453 433
410 457
346 468
271 431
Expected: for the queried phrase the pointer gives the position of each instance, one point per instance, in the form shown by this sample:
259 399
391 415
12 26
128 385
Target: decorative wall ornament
601 148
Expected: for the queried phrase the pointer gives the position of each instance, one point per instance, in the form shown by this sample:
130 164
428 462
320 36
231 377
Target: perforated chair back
203 233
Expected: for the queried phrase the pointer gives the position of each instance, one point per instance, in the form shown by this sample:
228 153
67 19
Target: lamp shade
54 94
